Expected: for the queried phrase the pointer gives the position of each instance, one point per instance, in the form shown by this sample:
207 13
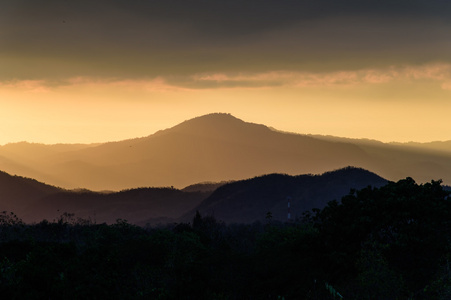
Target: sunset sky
96 71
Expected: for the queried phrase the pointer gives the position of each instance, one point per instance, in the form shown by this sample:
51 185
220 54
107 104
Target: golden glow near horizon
79 72
386 105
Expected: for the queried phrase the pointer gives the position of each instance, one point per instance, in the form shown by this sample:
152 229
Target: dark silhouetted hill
250 200
16 192
137 206
204 186
33 201
240 201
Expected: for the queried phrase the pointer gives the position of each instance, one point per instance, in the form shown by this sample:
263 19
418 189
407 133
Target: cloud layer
112 69
130 39
438 74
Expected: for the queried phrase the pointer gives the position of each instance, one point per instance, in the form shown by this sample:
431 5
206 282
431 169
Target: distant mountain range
240 201
215 148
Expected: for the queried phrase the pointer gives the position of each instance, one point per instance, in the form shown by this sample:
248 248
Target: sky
106 70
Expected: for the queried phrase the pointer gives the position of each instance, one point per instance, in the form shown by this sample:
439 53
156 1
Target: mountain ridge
34 201
217 147
252 199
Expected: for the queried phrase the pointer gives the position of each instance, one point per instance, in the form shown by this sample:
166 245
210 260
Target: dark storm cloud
229 17
120 38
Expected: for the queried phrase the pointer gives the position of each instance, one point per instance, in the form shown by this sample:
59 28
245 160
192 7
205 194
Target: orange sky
75 72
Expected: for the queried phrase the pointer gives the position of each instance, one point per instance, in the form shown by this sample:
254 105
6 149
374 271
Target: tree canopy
391 242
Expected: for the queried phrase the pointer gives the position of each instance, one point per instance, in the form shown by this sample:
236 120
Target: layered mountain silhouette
137 206
17 193
251 200
240 201
33 201
215 148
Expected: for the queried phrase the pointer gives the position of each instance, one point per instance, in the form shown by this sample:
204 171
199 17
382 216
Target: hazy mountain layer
217 147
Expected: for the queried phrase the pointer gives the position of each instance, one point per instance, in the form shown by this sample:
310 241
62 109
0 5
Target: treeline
392 242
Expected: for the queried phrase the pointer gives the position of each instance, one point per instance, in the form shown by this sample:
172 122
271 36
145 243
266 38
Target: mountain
17 192
441 146
33 160
215 148
33 201
204 187
250 200
137 206
240 201
394 161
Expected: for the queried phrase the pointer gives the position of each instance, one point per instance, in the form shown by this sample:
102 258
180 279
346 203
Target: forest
390 242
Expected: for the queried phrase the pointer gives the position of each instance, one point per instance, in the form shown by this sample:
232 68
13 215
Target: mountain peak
216 116
216 125
249 200
213 119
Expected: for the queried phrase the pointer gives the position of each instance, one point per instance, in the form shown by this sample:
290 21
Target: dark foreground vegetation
391 242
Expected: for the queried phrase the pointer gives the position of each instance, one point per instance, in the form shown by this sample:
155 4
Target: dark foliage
391 242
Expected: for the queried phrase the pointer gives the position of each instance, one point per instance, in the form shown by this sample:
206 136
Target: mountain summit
218 126
215 147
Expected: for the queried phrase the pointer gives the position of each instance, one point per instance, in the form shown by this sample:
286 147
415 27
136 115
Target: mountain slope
16 192
214 147
137 206
441 146
34 201
218 147
251 200
394 161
